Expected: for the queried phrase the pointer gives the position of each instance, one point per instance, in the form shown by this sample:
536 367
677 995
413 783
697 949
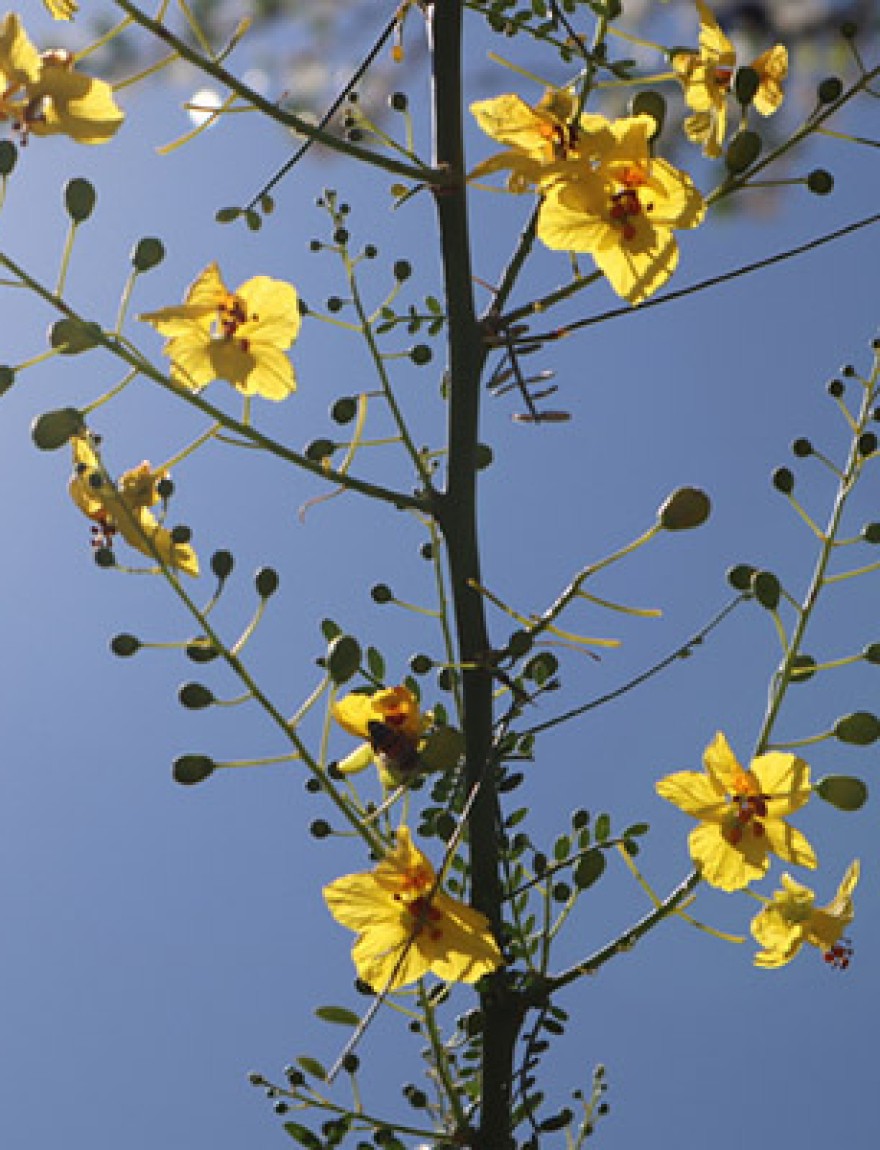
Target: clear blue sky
158 943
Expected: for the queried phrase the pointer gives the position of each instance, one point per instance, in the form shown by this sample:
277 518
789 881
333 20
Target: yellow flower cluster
603 190
741 817
42 94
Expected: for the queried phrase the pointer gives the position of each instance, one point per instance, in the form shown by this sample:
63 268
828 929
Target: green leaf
589 869
312 1066
337 1014
303 1135
376 664
602 828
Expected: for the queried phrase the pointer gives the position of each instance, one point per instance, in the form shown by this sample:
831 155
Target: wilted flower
791 918
123 507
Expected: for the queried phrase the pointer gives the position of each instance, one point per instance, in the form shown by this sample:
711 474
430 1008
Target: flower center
744 812
723 76
231 314
626 206
425 916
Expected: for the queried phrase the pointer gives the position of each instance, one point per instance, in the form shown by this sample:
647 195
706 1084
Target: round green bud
766 589
381 593
746 83
541 667
519 644
829 90
222 563
783 480
820 182
842 791
125 645
370 251
320 449
188 770
848 370
402 270
420 664
266 582
484 456
79 199
871 533
320 829
871 653
867 443
334 303
742 151
72 336
7 378
147 254
343 658
181 534
195 696
105 558
835 388
650 103
344 409
313 786
201 650
861 728
426 551
350 1063
54 428
561 891
8 157
340 236
398 101
685 508
802 448
421 354
803 667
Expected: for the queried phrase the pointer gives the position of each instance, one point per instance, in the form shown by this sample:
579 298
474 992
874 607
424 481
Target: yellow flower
392 725
44 95
540 140
622 208
407 926
706 78
772 68
741 813
124 507
62 9
792 918
239 336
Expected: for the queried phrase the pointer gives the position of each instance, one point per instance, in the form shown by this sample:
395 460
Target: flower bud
147 254
72 336
820 182
650 103
829 90
79 199
803 667
842 791
740 576
222 563
8 157
266 582
125 645
746 84
766 589
861 728
53 429
195 696
685 508
191 769
742 151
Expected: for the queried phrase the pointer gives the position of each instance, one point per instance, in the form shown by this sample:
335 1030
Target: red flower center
746 813
838 957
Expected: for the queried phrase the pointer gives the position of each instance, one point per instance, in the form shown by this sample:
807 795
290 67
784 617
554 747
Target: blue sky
159 943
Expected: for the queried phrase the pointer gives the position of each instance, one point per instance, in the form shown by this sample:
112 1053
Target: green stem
457 515
272 110
124 351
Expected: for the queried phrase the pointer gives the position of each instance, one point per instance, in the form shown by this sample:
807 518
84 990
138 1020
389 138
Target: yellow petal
723 865
19 59
694 793
74 105
784 779
273 311
788 843
772 68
